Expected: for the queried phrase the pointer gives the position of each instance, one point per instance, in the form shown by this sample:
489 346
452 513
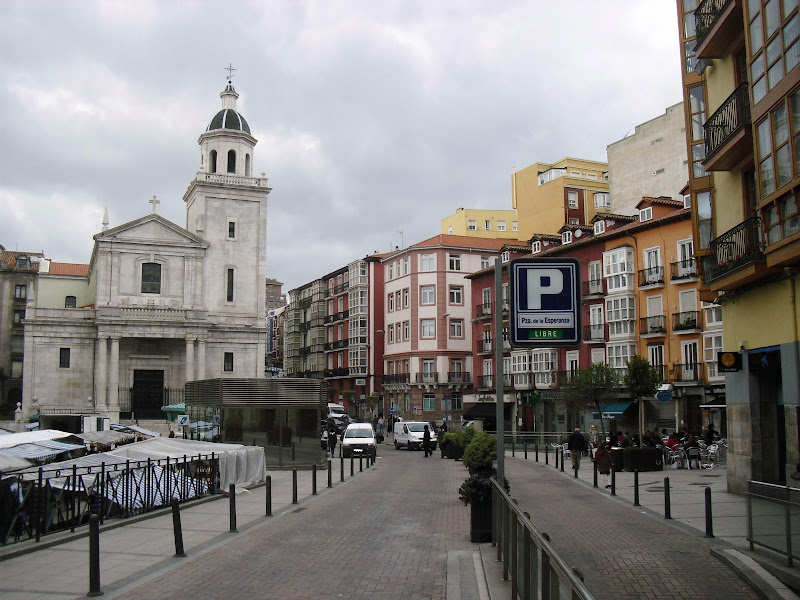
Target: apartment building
482 223
329 333
741 87
548 195
427 338
639 296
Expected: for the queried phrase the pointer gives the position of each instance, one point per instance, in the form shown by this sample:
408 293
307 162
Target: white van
336 410
408 434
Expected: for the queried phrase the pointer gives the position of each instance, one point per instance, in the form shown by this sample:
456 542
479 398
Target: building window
456 294
572 199
405 297
426 262
428 294
247 165
501 226
63 358
620 315
229 286
231 161
405 266
487 225
227 362
574 221
456 402
472 225
231 229
19 316
566 237
484 262
601 200
712 345
16 369
455 262
20 292
450 230
713 314
390 302
777 36
17 344
151 278
618 269
391 334
212 162
536 247
456 328
428 402
599 227
544 364
70 302
619 355
646 214
406 330
514 226
687 201
428 328
505 256
697 110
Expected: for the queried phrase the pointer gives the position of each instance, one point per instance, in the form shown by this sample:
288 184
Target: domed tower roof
228 117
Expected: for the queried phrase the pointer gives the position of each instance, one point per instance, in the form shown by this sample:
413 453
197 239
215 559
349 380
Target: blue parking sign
545 302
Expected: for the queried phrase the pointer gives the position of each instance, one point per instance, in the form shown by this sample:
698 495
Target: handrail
705 14
736 248
732 114
772 495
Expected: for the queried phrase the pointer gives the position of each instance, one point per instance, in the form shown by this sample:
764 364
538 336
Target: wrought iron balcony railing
732 114
483 310
733 250
652 325
687 320
651 276
427 377
705 14
484 346
683 269
459 377
595 333
396 378
593 287
689 372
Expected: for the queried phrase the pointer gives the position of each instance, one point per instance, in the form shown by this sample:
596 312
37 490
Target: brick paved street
622 553
385 534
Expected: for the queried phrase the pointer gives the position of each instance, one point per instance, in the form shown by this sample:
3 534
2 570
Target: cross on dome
155 202
230 71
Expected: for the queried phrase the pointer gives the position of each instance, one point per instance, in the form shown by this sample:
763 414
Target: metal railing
736 248
770 512
49 499
459 377
427 377
529 562
651 276
484 346
689 372
683 269
705 14
396 378
595 332
169 396
593 287
483 310
651 325
732 114
686 320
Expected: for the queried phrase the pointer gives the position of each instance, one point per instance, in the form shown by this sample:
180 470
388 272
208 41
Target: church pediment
152 229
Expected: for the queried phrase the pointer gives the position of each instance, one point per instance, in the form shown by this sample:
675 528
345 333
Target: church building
160 304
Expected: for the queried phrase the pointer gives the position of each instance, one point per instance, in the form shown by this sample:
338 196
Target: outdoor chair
693 454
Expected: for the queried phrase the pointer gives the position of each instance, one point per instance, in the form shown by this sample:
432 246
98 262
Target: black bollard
525 446
341 464
576 471
536 448
330 474
595 472
360 464
547 455
232 495
555 457
268 491
562 460
352 464
636 487
294 486
314 479
613 481
709 520
667 507
513 447
94 556
177 530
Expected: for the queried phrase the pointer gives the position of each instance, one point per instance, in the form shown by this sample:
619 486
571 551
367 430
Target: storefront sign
729 362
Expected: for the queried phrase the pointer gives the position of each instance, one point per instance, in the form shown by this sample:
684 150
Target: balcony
395 379
485 381
459 377
683 270
652 326
728 135
688 373
343 314
735 258
651 277
483 310
427 378
595 333
304 302
342 287
593 288
661 372
484 346
686 322
718 23
340 372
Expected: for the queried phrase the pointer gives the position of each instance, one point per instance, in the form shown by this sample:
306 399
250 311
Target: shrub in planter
476 491
448 440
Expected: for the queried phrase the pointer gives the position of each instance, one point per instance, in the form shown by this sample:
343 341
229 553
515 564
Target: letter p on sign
543 282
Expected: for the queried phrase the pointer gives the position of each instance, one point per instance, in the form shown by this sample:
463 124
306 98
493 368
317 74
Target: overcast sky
371 116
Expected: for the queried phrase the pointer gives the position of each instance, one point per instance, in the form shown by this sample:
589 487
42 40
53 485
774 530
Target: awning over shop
107 438
32 437
136 429
41 449
481 410
613 411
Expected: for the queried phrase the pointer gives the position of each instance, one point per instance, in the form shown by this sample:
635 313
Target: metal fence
530 563
49 499
773 518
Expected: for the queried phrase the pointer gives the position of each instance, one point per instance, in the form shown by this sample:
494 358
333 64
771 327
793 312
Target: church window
227 362
20 292
231 229
212 162
151 278
231 161
70 302
229 285
63 358
247 165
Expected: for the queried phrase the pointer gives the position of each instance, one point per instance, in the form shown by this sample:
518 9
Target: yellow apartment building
741 87
482 223
548 195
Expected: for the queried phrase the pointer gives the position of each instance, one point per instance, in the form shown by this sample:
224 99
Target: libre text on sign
545 302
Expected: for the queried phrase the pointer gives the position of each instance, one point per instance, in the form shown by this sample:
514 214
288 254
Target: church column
113 377
101 373
201 359
189 359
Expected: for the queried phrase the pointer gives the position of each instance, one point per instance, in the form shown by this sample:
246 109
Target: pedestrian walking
331 439
603 460
380 424
576 445
426 441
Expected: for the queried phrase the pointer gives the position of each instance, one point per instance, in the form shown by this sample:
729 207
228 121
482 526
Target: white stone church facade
162 304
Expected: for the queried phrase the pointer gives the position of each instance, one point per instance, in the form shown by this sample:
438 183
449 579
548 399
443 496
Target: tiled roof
59 268
463 241
660 200
8 259
613 216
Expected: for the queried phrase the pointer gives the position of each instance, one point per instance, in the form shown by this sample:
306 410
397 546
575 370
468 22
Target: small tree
596 385
641 380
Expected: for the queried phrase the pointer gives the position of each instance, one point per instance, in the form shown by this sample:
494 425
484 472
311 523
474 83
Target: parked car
358 440
408 434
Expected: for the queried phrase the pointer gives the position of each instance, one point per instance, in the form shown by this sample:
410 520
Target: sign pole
498 359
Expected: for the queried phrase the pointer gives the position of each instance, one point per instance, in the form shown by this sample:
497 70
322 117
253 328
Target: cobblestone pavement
385 534
622 553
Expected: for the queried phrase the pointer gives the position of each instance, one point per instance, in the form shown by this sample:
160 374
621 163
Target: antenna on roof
230 71
400 231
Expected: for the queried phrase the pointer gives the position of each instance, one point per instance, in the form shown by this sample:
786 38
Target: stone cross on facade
155 202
